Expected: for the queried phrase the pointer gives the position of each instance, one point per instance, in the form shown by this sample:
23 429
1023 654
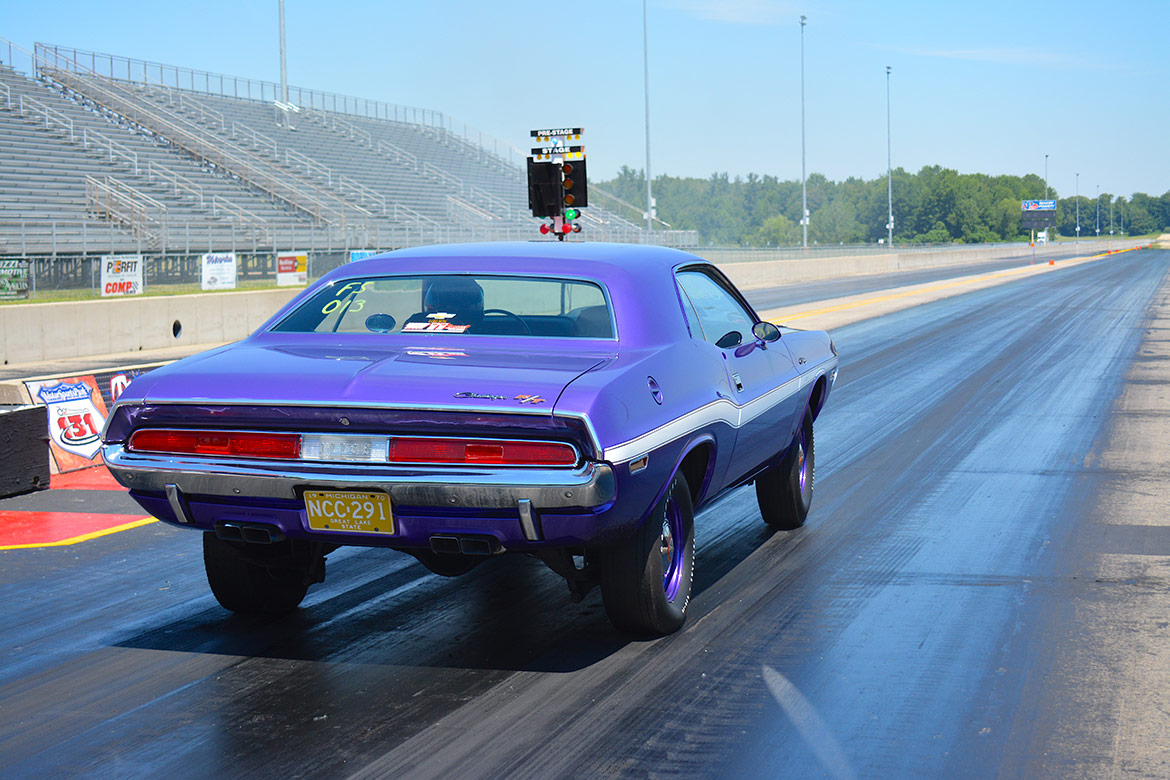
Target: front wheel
785 491
646 580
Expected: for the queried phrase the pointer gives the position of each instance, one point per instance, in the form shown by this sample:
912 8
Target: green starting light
572 213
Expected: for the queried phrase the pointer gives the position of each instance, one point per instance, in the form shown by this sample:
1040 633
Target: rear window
468 305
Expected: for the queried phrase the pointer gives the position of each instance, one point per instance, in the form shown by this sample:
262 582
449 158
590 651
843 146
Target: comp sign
1037 205
121 275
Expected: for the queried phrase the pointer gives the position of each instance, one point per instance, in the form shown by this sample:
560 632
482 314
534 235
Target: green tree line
935 205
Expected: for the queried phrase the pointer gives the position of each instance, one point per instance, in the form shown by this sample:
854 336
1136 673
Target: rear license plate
349 510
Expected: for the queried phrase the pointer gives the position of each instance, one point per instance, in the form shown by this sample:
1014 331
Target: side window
718 312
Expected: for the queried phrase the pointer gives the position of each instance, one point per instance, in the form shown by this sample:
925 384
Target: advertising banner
77 407
361 254
121 275
13 280
292 269
219 271
77 413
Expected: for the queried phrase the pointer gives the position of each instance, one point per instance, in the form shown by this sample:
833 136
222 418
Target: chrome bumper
482 488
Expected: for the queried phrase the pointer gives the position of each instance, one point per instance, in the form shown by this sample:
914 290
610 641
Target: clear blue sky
978 86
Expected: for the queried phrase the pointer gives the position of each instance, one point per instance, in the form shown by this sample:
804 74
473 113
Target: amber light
239 444
481 451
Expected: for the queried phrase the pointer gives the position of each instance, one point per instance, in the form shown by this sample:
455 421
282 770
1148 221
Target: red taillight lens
238 444
503 453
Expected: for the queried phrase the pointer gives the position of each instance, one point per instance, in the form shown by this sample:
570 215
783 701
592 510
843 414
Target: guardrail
7 96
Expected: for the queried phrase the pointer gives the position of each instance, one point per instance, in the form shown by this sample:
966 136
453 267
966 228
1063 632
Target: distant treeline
935 205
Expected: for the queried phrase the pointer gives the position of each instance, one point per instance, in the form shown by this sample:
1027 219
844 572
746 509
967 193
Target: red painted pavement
20 528
96 478
43 529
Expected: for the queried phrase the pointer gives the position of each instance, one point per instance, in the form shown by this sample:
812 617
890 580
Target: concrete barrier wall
39 332
767 273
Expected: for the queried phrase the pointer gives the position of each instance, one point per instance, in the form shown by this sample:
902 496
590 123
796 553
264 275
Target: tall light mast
803 175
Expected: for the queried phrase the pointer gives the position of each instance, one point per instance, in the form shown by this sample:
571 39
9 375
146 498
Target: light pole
1098 211
646 76
803 176
1078 208
889 172
1045 177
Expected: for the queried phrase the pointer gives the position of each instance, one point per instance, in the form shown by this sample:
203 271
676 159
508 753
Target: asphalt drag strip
934 617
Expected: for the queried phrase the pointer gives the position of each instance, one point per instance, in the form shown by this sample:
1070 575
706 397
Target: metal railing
301 195
114 149
178 183
364 194
258 140
114 200
52 117
7 96
149 72
398 155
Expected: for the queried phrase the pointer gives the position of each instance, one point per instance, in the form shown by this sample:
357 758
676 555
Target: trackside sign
121 275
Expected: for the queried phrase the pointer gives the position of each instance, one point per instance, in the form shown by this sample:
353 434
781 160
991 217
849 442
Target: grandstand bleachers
92 163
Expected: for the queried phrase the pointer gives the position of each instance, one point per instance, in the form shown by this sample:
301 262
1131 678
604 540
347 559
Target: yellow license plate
349 510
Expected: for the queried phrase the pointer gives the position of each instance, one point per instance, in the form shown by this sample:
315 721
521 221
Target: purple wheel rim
672 547
802 460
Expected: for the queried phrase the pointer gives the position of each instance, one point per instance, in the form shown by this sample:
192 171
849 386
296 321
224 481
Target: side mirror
765 331
731 338
380 323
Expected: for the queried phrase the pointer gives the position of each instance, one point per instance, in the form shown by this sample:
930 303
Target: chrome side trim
589 486
721 410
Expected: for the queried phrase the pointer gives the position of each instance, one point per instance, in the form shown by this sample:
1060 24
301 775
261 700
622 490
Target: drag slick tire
785 491
646 580
261 579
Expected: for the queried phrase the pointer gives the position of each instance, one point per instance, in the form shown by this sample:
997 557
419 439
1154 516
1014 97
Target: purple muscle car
573 401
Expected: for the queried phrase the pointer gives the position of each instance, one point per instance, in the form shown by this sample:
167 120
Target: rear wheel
261 579
646 580
785 491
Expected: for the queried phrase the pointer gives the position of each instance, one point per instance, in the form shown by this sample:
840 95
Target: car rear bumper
588 487
521 507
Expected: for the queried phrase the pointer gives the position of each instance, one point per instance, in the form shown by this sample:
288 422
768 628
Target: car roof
628 271
597 256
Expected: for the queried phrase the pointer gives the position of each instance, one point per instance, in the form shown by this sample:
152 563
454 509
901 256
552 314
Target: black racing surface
886 638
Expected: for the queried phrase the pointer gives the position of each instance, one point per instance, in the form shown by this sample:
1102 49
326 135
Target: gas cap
655 390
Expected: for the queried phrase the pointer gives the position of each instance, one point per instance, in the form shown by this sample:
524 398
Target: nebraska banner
121 275
292 269
219 271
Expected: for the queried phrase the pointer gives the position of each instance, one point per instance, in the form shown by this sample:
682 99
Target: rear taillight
363 448
240 444
481 451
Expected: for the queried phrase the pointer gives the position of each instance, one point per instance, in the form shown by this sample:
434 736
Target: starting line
23 529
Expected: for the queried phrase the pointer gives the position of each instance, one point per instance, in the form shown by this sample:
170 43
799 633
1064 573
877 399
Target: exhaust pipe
251 533
466 545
